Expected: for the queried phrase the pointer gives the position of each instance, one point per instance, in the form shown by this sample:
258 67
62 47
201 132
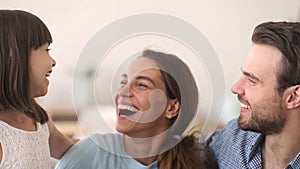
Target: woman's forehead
142 64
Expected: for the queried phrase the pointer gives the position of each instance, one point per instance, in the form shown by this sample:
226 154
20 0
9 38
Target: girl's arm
58 142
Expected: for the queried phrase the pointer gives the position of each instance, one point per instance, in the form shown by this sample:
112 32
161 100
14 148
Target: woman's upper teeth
127 107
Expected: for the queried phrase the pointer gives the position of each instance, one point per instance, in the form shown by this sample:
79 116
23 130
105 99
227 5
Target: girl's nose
54 62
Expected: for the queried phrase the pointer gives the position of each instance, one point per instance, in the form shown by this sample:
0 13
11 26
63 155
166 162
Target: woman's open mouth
126 110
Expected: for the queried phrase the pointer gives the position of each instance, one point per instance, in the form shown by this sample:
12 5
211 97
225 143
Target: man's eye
253 82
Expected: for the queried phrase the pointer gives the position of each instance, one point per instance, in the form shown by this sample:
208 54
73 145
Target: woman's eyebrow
145 78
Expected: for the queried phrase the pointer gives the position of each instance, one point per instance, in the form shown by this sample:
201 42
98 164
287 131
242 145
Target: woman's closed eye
142 85
123 82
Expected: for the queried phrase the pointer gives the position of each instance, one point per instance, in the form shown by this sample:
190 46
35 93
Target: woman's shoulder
96 143
105 138
95 139
90 151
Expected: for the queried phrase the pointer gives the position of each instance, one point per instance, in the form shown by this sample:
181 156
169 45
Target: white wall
227 24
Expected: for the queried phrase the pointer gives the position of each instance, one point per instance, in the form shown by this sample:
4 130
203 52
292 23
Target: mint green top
100 151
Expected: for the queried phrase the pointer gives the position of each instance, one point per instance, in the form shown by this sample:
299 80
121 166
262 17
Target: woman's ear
172 108
293 99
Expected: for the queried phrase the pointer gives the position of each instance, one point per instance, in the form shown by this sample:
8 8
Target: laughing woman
157 100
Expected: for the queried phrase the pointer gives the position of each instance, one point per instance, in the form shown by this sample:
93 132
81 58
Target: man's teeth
127 107
245 106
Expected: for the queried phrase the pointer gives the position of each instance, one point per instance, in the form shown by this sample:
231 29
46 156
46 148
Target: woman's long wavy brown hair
187 153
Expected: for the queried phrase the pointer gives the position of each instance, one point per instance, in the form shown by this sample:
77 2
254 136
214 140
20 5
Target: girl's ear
173 108
293 98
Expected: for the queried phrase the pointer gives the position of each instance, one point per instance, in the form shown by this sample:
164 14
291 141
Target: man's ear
293 99
173 108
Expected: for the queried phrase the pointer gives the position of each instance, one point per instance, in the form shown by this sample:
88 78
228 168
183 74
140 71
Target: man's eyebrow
251 75
145 78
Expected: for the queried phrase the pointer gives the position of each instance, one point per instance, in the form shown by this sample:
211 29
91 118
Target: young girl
28 137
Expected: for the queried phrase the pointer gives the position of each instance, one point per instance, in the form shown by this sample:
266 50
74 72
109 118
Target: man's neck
280 149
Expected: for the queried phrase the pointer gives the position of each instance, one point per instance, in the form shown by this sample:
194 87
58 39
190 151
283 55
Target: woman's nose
125 91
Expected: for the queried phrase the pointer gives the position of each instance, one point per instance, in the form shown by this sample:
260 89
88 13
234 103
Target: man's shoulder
231 146
231 137
233 133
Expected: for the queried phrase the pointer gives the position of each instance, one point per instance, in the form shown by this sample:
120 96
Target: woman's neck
144 150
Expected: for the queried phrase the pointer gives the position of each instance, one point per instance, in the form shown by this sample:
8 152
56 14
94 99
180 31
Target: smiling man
266 134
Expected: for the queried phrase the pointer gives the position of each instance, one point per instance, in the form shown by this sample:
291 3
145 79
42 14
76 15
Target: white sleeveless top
24 149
